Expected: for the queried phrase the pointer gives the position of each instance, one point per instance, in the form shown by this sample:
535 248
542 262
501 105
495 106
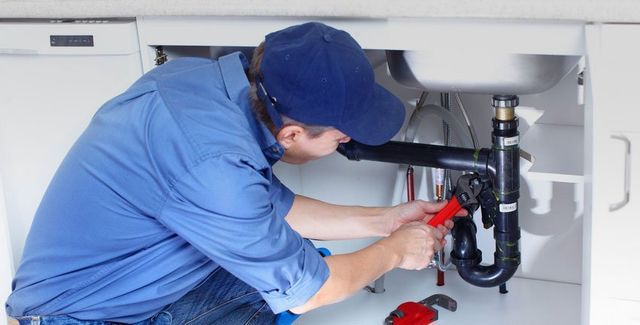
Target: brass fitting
505 106
439 192
505 113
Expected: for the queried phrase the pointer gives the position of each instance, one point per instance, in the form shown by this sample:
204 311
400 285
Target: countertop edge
617 11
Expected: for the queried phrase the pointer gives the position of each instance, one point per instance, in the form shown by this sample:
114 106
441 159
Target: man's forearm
350 273
319 220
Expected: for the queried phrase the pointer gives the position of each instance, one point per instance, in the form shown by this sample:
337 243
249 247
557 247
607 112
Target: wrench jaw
488 204
468 187
441 300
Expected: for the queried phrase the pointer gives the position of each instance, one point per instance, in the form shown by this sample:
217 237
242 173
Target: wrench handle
446 213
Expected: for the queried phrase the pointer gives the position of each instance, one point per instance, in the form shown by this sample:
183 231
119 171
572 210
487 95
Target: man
166 210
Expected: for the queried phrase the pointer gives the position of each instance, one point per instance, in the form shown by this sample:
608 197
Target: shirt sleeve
281 196
225 207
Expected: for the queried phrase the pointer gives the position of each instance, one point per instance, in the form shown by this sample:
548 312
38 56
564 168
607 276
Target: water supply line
498 166
445 102
440 112
411 196
472 131
410 135
440 255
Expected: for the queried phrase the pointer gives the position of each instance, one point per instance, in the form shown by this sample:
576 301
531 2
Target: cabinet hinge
161 57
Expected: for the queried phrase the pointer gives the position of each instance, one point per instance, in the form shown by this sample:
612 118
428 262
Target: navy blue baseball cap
318 75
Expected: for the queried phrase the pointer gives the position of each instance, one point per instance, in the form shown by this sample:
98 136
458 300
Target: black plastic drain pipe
500 164
418 154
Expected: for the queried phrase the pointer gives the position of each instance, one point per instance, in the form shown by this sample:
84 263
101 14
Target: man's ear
289 134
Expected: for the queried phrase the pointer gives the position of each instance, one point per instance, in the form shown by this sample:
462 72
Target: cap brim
380 119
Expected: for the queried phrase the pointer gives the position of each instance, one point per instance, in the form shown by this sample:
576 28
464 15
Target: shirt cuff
315 273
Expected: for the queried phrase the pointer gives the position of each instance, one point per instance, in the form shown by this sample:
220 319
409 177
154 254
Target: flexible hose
472 131
418 116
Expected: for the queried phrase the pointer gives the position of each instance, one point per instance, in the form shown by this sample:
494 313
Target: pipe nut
466 262
502 101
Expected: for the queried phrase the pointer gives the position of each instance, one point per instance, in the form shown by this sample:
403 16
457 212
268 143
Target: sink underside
482 73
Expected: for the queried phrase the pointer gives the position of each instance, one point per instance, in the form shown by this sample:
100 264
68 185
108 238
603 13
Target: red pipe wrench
420 313
464 196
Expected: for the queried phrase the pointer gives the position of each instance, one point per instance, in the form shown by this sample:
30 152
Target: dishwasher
54 75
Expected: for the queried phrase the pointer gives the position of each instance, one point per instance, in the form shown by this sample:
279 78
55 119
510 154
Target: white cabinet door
48 94
611 289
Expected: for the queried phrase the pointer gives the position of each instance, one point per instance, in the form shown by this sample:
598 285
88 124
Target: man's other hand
417 210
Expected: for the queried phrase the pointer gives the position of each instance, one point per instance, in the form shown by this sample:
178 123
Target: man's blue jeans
220 299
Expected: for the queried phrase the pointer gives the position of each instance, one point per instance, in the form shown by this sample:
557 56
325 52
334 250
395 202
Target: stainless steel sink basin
482 73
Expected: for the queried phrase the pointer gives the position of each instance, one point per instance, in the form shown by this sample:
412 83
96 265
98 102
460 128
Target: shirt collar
232 67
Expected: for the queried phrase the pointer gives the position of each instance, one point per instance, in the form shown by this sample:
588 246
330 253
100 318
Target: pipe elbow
465 246
467 257
486 275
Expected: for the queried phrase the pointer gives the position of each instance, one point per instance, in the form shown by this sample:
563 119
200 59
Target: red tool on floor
464 196
420 313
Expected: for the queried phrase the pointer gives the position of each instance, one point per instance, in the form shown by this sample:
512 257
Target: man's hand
409 243
414 244
417 210
323 221
410 247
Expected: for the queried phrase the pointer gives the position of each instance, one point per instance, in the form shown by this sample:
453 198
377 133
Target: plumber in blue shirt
166 210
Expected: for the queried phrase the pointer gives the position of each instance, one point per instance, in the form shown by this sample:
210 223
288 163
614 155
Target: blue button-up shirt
170 180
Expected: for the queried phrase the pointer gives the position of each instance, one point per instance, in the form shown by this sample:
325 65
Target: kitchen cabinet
371 183
585 156
611 290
